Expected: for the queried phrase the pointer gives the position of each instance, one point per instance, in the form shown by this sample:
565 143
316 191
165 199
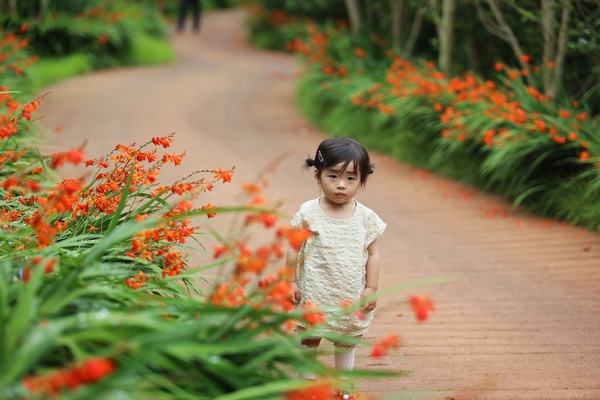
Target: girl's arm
291 260
372 278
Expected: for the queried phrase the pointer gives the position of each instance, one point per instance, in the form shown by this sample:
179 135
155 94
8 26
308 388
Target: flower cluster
252 282
421 305
383 346
50 385
512 110
12 58
104 13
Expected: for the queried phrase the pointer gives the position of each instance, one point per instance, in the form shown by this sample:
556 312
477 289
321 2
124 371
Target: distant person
196 6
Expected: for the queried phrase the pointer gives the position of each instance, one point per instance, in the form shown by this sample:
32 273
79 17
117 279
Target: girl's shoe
343 395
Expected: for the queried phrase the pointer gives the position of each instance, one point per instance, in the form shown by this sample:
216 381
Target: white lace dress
331 266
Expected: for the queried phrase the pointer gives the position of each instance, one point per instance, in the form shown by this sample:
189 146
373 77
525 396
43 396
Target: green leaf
124 197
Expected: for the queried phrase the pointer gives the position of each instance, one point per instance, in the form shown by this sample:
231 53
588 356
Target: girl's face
339 186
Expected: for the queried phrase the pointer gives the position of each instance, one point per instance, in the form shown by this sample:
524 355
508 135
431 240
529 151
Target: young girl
339 263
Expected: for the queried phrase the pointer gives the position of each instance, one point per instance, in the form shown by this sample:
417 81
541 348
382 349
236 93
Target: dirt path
522 321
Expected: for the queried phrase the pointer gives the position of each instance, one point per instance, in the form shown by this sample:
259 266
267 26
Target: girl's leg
309 347
343 355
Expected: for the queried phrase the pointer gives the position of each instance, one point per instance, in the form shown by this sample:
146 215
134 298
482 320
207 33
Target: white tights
342 355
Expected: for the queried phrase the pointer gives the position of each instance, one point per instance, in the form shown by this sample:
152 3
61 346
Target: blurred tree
43 10
9 7
443 18
554 47
446 35
398 10
415 30
354 15
584 48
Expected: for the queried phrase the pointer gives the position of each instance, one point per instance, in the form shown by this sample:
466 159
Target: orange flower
268 219
391 342
26 274
164 141
533 91
320 391
360 53
421 305
91 371
386 344
559 139
220 250
296 237
541 125
227 295
526 58
386 109
103 38
584 156
357 100
564 114
488 137
438 107
175 159
314 318
252 188
328 70
183 206
223 174
207 207
74 157
378 351
10 183
498 66
572 136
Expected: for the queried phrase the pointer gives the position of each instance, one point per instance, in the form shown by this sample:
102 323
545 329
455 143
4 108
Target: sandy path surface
520 321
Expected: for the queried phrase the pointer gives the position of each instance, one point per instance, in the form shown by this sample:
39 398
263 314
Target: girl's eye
351 178
333 176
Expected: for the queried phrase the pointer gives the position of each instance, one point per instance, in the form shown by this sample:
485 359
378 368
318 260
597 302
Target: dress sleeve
298 220
375 227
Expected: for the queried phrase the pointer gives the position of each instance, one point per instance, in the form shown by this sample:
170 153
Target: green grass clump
149 50
47 71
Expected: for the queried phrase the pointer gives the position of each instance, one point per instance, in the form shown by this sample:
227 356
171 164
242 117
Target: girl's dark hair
336 150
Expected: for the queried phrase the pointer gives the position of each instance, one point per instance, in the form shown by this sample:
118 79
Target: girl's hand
368 304
295 297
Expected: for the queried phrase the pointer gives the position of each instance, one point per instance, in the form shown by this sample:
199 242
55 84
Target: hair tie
310 162
321 159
